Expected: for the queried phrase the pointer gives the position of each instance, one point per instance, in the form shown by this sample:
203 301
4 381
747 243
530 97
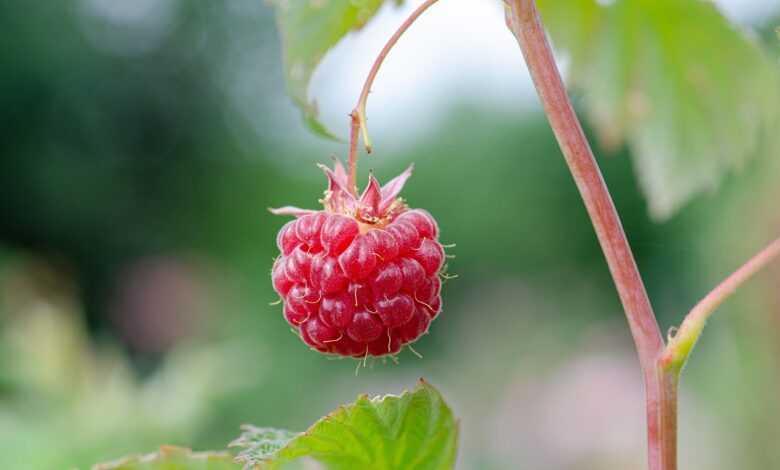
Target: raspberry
361 276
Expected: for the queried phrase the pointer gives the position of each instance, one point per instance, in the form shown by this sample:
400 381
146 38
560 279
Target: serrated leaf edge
377 400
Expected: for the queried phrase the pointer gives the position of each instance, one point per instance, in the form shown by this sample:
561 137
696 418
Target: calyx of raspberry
375 208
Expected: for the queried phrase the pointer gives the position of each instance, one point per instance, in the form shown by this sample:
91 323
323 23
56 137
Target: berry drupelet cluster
361 277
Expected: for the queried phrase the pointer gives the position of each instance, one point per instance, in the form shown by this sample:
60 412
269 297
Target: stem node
679 348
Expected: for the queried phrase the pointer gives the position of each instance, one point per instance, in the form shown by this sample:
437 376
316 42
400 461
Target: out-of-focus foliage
81 399
414 430
691 95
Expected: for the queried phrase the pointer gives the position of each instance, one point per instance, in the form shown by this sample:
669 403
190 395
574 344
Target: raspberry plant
360 277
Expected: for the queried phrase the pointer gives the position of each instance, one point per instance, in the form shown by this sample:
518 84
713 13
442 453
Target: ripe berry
361 276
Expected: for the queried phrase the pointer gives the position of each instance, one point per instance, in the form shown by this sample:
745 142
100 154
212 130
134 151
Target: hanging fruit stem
358 115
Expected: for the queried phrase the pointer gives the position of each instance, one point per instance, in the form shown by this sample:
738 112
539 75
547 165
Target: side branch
680 347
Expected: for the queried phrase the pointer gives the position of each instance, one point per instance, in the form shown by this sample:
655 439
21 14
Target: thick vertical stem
669 383
524 21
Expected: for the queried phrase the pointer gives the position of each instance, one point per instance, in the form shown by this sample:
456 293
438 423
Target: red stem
358 115
668 384
524 21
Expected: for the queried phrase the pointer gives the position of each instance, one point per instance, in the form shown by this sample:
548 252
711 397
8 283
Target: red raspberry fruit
361 276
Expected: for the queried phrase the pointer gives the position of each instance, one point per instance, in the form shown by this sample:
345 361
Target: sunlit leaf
174 458
692 96
414 430
309 29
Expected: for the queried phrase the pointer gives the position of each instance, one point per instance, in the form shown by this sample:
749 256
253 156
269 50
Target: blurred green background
135 250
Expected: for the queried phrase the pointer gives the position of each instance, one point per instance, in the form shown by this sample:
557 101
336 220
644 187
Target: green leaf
414 430
174 458
693 97
309 29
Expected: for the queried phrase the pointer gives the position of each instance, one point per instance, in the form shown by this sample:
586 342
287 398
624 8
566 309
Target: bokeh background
141 145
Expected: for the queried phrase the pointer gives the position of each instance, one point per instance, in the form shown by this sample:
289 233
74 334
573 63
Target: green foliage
414 430
691 95
174 458
309 29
